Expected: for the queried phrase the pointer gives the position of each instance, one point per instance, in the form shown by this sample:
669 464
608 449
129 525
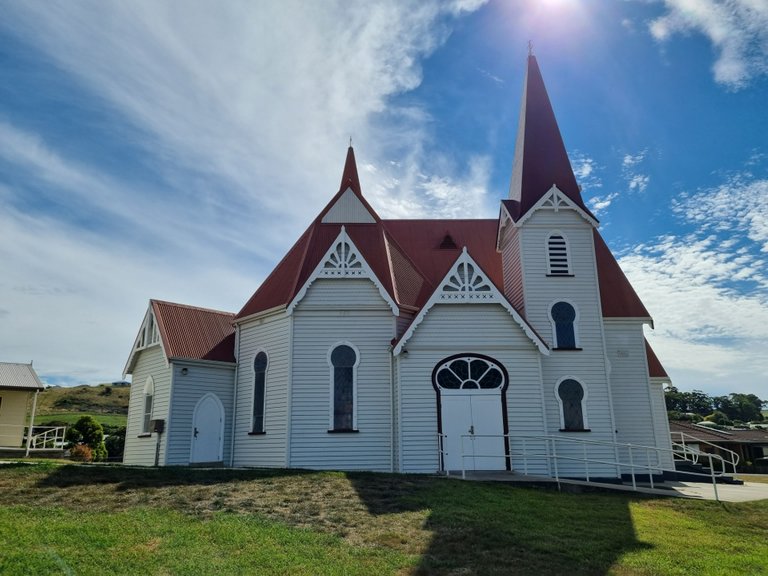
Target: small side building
19 386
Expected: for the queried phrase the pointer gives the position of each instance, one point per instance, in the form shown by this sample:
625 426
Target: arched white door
208 430
470 389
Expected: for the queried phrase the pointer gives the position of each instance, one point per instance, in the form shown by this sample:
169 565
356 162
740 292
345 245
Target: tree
88 431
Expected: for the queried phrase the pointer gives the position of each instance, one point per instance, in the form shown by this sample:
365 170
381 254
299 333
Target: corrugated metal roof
19 377
195 333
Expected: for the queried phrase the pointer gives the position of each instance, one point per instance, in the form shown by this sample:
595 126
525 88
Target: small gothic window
343 360
469 372
259 391
557 255
564 318
571 394
149 395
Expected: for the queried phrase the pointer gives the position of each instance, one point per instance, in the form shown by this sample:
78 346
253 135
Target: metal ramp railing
682 445
577 459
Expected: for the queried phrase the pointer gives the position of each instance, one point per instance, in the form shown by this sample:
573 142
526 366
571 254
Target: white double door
473 430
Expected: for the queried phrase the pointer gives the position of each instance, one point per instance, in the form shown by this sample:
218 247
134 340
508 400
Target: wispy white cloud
235 108
737 29
630 169
599 204
707 290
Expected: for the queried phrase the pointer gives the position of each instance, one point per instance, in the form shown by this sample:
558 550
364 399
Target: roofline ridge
191 307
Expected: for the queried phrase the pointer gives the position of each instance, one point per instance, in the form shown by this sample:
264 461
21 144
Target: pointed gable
343 259
349 206
540 160
466 282
363 226
186 332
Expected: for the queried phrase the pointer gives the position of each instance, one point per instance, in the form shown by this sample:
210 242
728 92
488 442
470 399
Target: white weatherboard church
513 343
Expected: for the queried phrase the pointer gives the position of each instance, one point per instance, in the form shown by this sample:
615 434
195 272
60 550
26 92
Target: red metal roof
540 156
655 368
195 333
617 297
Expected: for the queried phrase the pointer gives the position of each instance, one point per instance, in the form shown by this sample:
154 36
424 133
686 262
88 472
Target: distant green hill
108 403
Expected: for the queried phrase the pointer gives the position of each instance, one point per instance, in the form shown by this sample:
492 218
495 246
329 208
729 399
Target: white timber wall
186 391
661 422
450 329
334 311
140 448
13 416
630 387
272 336
587 365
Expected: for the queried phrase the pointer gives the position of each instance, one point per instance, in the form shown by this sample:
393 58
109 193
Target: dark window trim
144 435
575 430
568 349
343 431
262 433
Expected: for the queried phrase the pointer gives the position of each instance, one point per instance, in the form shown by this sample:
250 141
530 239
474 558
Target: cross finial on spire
530 48
350 141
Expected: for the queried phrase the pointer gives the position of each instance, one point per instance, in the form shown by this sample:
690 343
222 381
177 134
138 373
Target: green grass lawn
67 519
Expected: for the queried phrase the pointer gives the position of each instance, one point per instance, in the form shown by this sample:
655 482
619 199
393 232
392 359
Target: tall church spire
540 156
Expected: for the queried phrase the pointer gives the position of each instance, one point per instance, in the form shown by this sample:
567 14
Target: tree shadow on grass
497 528
129 478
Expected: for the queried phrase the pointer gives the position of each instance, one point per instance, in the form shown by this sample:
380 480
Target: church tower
546 237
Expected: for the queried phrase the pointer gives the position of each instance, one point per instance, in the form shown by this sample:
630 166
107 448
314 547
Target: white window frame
331 394
569 268
149 391
253 394
553 324
584 416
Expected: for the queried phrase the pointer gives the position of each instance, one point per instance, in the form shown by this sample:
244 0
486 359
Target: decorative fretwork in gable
556 200
342 260
466 283
148 335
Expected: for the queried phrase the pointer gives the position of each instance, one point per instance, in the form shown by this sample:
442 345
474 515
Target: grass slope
105 402
95 520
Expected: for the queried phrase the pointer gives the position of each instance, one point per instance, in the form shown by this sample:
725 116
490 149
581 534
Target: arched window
149 395
572 398
564 325
469 371
343 360
558 263
259 392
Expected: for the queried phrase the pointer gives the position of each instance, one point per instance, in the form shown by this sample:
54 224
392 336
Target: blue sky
176 150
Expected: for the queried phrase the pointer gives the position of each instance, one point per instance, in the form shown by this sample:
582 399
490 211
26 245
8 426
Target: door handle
195 434
472 429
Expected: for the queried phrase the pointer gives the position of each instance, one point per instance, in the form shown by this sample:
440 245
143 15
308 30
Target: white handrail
552 455
733 461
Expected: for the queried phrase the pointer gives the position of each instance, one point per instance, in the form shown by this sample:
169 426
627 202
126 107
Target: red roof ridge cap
190 307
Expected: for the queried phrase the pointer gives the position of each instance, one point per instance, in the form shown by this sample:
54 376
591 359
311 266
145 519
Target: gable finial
350 141
530 48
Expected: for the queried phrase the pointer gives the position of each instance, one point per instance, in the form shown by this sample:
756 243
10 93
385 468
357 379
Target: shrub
81 453
115 442
88 431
